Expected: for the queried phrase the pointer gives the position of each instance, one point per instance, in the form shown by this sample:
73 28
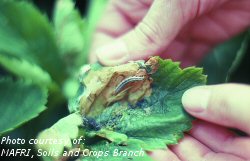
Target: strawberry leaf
26 33
69 28
152 123
19 102
19 68
159 119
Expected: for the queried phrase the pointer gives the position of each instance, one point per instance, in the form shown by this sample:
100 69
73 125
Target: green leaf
65 129
70 87
19 68
69 28
110 135
220 64
159 119
152 123
19 102
239 56
26 33
95 12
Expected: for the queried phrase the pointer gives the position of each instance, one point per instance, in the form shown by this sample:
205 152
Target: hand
182 30
218 108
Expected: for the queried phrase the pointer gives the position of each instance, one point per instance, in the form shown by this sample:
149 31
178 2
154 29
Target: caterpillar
126 81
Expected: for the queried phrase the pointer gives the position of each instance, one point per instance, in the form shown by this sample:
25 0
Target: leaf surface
65 130
152 123
26 33
19 68
159 119
69 28
224 60
95 12
19 102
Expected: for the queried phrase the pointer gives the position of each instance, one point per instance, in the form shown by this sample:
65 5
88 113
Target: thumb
226 104
154 33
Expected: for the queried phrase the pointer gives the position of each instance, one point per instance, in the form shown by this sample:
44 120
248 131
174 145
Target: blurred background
57 104
67 51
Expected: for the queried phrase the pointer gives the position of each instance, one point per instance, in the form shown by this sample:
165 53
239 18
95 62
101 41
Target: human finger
220 139
155 32
226 104
190 149
118 18
163 155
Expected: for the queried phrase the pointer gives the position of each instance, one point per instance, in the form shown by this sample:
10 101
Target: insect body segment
126 81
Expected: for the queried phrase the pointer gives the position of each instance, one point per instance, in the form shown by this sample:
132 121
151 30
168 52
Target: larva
126 81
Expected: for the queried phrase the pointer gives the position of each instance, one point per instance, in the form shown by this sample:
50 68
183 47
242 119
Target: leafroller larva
126 81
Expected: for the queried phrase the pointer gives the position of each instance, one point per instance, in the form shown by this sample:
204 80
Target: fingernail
113 53
196 99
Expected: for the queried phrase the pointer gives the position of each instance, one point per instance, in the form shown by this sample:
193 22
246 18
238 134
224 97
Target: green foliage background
41 51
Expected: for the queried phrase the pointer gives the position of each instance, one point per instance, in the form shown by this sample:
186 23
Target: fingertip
220 104
113 53
196 99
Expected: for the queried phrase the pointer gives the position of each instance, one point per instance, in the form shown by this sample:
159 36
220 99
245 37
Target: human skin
184 30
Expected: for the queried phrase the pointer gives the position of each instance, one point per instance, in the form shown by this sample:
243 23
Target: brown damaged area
133 80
